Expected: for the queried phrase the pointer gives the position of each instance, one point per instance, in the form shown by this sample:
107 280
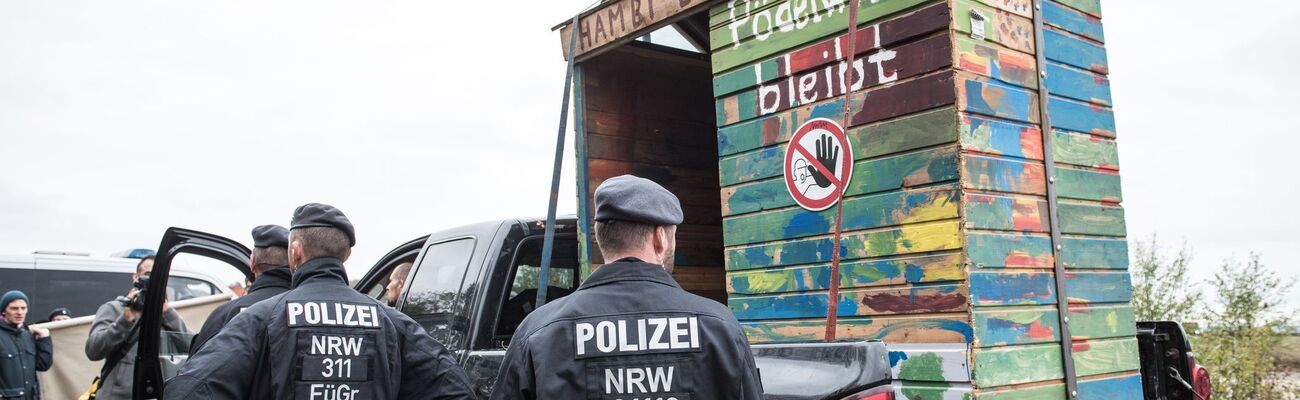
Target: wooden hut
982 233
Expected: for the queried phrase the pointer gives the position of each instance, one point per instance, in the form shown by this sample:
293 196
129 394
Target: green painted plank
997 62
1001 366
777 37
1089 219
1099 287
1096 357
998 288
892 329
909 239
998 174
920 168
773 129
1005 213
1085 150
996 137
1094 253
880 272
1081 184
929 363
1002 326
1001 27
1092 7
854 302
988 250
1102 321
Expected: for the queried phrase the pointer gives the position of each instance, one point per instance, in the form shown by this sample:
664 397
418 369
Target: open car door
149 362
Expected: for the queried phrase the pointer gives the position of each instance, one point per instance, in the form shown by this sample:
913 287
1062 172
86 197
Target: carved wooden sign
616 21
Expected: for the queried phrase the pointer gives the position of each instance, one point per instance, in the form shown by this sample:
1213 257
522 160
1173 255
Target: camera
141 285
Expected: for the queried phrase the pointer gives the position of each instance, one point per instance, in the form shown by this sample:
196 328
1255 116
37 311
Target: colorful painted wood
947 230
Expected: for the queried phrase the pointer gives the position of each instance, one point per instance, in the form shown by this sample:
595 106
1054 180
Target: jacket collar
321 269
629 269
11 328
277 277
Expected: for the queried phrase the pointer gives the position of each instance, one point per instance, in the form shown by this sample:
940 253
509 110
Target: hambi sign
818 164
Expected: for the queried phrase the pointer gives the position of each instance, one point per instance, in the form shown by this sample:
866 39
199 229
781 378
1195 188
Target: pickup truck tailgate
807 371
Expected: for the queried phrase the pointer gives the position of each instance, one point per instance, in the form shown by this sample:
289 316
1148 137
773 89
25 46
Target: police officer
271 276
321 339
630 331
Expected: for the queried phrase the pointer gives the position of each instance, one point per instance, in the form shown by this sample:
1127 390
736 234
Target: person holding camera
114 333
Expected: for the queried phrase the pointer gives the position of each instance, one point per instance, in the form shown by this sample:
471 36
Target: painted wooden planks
1002 326
1091 219
1094 253
918 299
1081 117
879 272
871 141
1082 184
1098 287
865 212
868 39
984 96
998 174
920 390
1006 250
948 328
1102 321
997 137
1085 150
1009 288
925 167
1071 50
1000 26
1125 387
1078 84
1073 21
751 34
772 129
993 61
1005 213
617 21
1010 365
910 239
1091 7
1096 357
808 87
868 106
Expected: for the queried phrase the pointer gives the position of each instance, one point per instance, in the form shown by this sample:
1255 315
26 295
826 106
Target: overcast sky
119 119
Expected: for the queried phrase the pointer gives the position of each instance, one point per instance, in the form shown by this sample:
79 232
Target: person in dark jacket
630 331
23 350
321 339
271 276
59 314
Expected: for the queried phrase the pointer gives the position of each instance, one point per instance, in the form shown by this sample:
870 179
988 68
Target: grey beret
270 236
312 215
633 199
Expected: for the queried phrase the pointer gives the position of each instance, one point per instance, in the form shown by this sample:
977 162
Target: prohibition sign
818 164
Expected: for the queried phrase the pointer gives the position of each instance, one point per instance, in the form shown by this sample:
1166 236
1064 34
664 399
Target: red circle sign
818 164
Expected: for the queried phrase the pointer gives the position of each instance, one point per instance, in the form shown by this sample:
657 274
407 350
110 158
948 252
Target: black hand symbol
828 154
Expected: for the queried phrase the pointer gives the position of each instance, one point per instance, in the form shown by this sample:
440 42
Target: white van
82 284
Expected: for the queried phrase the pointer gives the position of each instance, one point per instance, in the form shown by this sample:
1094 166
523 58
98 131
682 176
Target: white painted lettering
674 334
295 310
623 345
605 336
584 333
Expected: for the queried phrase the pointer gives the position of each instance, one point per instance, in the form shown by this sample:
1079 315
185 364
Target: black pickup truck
471 286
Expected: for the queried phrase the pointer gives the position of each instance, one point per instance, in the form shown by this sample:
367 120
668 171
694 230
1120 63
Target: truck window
562 281
434 297
189 288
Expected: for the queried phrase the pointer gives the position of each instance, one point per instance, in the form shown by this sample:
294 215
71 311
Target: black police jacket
21 355
321 340
268 285
629 332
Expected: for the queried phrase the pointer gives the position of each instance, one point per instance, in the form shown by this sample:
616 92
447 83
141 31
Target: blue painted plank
1078 84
